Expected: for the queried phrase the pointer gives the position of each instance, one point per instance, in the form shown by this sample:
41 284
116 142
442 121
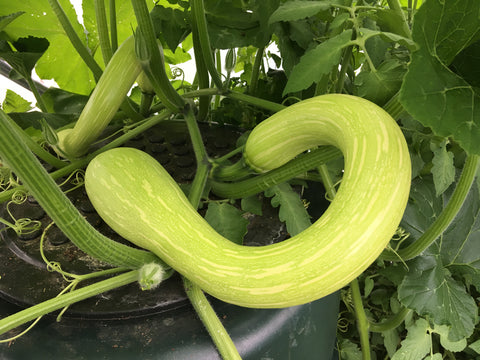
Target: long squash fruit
139 200
105 100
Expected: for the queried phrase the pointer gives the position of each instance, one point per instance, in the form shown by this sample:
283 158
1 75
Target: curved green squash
139 200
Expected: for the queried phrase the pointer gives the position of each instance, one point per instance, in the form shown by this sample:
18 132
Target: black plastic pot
127 323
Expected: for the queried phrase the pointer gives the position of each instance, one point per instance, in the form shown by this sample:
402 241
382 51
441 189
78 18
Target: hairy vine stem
254 185
57 205
198 17
67 299
102 29
150 53
444 219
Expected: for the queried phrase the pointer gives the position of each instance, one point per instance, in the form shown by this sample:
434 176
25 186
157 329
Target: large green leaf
317 62
60 61
432 93
298 9
431 287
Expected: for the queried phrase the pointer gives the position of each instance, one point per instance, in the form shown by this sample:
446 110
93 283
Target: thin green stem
347 55
198 17
391 323
33 87
113 26
207 314
327 181
396 6
64 171
209 318
394 107
203 164
362 321
150 53
447 215
36 148
259 183
33 312
57 205
262 103
256 70
102 30
75 40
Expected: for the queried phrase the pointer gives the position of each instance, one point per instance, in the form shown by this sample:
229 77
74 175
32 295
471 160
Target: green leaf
475 346
417 344
28 51
454 346
15 103
432 93
379 86
252 204
170 25
7 19
298 9
317 62
227 220
431 291
238 24
292 209
40 21
443 169
349 351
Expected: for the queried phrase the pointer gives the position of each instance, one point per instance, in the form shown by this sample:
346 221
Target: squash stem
102 29
254 185
207 314
256 70
150 53
57 205
61 301
391 323
362 321
444 219
198 17
113 26
64 171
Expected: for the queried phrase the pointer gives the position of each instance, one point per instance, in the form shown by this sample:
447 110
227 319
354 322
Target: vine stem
396 6
102 29
67 299
391 323
145 125
198 17
75 39
254 185
256 69
219 335
150 53
444 219
113 26
362 321
59 207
